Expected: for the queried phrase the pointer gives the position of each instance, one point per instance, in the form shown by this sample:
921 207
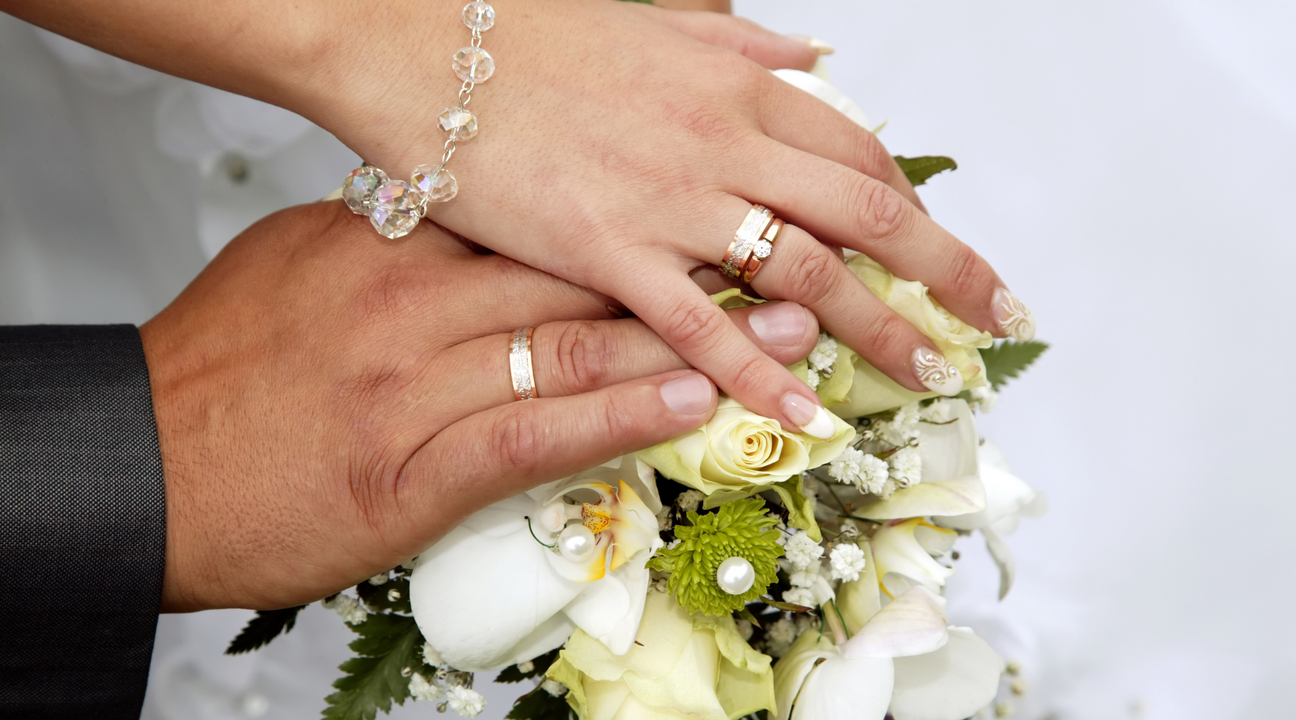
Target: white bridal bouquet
738 571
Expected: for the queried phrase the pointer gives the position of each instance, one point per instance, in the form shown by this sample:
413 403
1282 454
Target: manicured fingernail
688 395
815 44
936 373
808 415
780 323
1014 318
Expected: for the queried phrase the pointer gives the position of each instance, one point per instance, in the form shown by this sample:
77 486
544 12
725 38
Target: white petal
846 689
912 624
898 553
1007 497
1003 557
478 595
610 610
791 670
950 684
826 92
551 634
926 499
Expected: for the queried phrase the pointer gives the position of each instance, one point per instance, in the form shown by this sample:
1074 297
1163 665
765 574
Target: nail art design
936 373
1014 318
822 47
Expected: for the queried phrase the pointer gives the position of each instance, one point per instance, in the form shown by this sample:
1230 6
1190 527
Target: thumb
511 448
764 47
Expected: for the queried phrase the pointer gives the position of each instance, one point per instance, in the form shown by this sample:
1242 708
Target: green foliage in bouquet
1008 359
374 679
260 630
920 169
540 705
513 673
738 529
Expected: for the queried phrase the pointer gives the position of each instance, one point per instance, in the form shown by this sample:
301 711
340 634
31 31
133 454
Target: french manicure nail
688 395
808 415
780 323
819 46
1014 318
936 373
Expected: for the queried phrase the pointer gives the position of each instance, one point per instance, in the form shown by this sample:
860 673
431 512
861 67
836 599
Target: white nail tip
822 426
936 373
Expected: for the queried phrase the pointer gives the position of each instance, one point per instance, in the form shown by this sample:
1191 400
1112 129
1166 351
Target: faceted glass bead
479 16
475 64
358 190
395 209
435 186
461 124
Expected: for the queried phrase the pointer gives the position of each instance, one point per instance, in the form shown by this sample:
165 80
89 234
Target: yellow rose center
758 446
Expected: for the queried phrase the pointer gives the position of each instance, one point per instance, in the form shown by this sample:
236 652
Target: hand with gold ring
620 147
323 394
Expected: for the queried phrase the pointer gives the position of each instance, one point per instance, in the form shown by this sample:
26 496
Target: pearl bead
576 543
736 575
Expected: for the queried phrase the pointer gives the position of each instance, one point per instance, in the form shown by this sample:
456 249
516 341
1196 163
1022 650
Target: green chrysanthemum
739 529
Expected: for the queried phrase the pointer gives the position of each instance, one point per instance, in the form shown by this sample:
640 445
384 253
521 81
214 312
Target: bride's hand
619 153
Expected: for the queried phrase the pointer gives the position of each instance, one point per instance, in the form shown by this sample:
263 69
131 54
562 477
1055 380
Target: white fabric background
1124 165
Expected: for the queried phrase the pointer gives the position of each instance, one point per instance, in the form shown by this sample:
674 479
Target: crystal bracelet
395 206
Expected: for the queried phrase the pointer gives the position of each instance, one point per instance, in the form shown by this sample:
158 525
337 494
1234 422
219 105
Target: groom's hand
330 403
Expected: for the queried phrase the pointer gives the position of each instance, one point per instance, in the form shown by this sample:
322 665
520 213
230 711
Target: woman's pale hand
620 153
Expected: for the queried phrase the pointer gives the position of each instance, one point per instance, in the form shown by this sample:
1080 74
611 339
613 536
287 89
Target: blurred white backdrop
1123 164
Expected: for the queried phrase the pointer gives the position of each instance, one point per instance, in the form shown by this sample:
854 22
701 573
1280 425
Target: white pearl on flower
576 543
736 575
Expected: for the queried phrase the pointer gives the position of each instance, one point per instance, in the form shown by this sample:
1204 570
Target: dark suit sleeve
82 522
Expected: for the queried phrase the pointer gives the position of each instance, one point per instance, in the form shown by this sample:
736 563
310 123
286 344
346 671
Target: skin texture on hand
329 402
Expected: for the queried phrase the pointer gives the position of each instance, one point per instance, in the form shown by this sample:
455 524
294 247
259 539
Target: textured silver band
520 366
758 218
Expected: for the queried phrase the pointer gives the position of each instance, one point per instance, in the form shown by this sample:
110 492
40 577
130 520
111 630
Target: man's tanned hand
330 403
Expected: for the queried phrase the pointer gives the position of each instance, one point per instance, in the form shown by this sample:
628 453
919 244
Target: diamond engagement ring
762 250
521 369
745 240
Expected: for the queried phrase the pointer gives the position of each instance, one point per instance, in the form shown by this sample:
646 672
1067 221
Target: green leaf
1007 359
378 598
540 705
387 645
789 607
920 169
512 673
260 630
800 511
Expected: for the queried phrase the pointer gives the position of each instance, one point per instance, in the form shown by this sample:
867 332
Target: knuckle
584 357
518 442
694 326
969 273
391 293
617 417
750 378
812 278
879 209
872 157
886 339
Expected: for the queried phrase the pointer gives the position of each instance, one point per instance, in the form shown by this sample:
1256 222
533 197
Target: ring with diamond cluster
752 244
395 206
521 368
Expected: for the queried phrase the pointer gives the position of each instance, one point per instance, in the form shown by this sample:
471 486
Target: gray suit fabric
82 522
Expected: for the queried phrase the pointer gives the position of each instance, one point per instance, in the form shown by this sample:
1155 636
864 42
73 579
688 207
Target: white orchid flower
1008 500
904 553
491 593
902 659
951 482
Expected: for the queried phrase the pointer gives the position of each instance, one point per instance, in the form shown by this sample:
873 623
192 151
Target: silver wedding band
521 368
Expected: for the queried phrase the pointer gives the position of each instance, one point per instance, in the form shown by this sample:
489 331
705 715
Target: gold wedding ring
521 368
749 233
762 250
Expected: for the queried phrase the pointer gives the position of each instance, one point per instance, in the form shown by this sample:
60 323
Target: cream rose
681 666
739 452
871 391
